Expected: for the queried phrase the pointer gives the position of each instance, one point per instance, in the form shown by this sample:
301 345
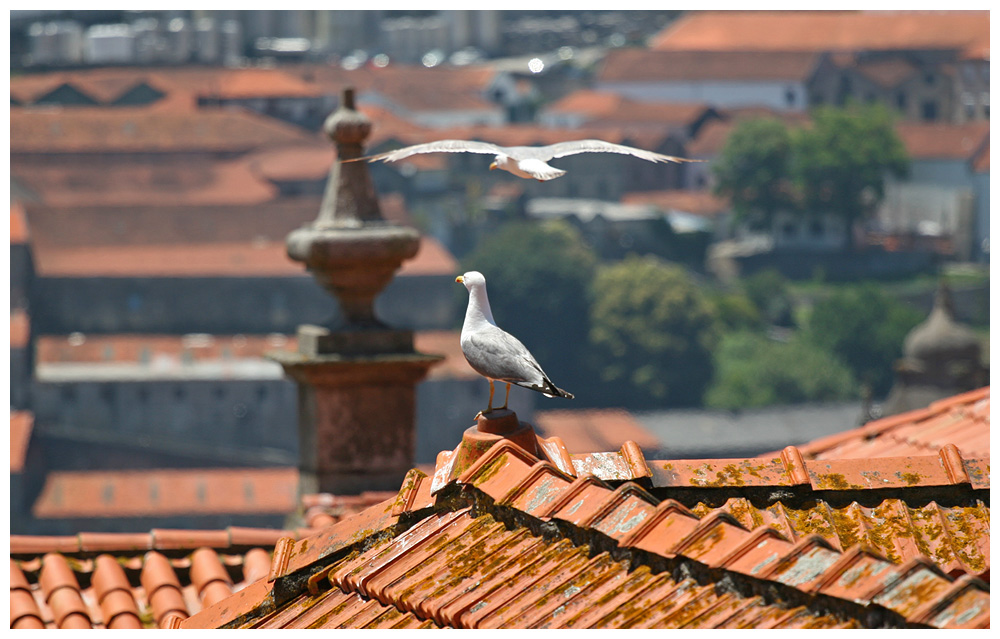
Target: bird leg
490 409
507 398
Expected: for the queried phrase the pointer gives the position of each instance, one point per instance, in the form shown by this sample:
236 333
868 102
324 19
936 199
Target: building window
928 111
929 79
901 101
816 228
790 97
788 230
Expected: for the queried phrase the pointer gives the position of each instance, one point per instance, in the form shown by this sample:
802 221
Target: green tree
652 333
840 162
734 311
768 290
538 277
864 328
753 169
753 371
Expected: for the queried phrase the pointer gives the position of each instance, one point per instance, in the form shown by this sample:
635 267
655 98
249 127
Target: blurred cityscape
160 158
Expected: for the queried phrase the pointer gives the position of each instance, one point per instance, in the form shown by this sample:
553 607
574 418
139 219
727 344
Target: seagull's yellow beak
493 166
460 280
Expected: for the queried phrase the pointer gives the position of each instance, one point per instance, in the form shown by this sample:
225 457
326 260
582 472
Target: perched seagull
494 353
523 161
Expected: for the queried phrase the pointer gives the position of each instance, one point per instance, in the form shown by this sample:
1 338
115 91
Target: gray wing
441 146
497 354
562 149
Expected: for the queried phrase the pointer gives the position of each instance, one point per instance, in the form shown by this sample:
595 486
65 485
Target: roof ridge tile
760 537
625 508
544 491
579 486
933 609
652 534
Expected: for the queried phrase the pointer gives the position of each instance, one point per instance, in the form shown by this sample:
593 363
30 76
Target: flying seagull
523 161
494 353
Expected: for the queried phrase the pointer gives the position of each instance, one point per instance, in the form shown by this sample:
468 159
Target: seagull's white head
499 162
471 279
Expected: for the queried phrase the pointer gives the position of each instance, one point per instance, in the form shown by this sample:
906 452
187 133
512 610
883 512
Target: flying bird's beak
459 280
493 166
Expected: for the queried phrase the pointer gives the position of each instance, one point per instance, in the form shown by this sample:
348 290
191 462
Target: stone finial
349 248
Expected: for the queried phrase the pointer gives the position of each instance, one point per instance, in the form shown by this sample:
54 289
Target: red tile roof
20 328
143 493
18 224
21 423
588 431
962 420
216 259
825 31
932 141
235 84
645 65
432 258
695 202
107 84
131 580
115 183
447 343
141 130
154 349
982 162
51 349
414 88
86 226
606 108
620 557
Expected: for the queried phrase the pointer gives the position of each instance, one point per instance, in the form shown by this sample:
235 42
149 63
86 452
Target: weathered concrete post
356 376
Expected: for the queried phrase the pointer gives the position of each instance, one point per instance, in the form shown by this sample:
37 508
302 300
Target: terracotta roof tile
21 423
962 420
432 258
128 580
219 259
981 164
129 493
924 141
76 226
606 109
447 343
688 201
131 129
254 258
801 535
18 224
594 430
825 31
646 65
191 182
20 328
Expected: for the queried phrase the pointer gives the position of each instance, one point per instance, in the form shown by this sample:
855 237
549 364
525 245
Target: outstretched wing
562 149
440 146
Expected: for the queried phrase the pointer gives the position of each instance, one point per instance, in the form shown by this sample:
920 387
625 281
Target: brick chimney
356 376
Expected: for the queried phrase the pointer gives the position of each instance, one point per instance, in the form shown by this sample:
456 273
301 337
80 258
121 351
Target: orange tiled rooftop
614 540
825 31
